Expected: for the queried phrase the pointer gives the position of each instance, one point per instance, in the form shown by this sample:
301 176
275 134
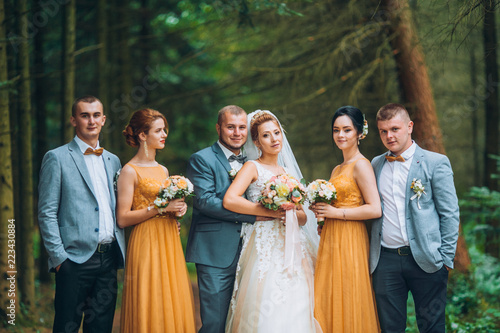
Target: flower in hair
365 128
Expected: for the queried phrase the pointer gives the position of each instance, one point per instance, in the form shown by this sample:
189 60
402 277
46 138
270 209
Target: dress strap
136 168
348 169
261 169
359 159
145 172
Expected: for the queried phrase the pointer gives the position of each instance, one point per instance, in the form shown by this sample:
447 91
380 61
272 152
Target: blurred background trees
300 59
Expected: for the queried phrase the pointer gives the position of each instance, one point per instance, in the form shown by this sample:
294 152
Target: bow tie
240 158
392 158
97 152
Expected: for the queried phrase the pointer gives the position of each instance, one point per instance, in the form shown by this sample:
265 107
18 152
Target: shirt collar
83 145
408 153
226 151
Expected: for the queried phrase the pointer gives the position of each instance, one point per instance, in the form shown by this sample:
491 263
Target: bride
269 295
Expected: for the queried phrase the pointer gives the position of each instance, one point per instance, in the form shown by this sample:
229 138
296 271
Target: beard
230 146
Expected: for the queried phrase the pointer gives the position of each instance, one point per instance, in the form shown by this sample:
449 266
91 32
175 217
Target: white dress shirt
393 183
234 164
99 178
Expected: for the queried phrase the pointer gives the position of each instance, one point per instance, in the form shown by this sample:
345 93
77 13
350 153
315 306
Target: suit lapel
77 156
219 154
416 164
110 175
379 164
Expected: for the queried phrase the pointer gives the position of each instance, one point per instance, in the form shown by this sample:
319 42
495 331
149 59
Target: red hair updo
140 122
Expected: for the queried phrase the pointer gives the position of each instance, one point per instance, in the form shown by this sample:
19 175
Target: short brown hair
140 122
83 99
233 109
390 110
257 120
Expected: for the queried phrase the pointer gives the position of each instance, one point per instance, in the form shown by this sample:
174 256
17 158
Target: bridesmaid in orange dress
157 295
343 293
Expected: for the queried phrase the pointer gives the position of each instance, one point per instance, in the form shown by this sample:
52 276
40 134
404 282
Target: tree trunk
128 99
102 63
413 77
491 116
6 189
68 79
416 91
26 225
474 121
41 134
144 42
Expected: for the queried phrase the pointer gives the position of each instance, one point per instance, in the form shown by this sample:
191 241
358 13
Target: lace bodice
150 181
348 192
255 188
269 235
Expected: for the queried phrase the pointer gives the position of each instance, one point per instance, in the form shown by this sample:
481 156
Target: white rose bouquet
321 190
175 187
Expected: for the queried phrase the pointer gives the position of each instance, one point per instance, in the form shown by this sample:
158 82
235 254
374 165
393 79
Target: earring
146 149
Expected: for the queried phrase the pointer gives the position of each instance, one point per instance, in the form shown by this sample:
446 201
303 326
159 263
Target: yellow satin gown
343 293
157 294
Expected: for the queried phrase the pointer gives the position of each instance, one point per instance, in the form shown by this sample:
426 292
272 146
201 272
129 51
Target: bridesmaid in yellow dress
157 295
344 299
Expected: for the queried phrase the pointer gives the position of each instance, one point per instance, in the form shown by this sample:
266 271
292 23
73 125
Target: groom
214 241
76 214
413 244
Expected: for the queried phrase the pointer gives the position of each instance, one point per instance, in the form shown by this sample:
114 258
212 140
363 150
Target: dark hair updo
140 122
353 113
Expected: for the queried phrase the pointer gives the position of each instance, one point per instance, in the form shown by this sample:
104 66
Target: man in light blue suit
413 244
76 213
214 242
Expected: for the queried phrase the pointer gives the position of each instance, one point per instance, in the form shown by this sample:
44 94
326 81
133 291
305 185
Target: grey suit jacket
433 229
215 231
68 212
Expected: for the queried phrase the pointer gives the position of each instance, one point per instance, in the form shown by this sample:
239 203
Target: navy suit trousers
393 278
87 289
216 289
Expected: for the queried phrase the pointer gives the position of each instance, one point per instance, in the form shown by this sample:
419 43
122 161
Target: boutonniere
232 173
418 188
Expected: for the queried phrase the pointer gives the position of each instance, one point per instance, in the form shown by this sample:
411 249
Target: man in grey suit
214 242
413 244
76 213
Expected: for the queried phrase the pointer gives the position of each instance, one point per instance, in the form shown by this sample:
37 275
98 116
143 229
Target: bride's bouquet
286 192
282 191
321 190
174 187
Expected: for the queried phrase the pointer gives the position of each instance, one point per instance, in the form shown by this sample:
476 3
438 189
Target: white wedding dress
266 297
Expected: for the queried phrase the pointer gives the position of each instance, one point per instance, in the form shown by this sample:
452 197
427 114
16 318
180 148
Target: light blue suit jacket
433 229
215 231
68 212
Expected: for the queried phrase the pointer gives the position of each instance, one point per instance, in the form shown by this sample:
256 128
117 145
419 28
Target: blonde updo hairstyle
257 120
141 122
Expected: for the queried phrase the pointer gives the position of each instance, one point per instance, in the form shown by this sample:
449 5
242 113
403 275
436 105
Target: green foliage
474 301
477 208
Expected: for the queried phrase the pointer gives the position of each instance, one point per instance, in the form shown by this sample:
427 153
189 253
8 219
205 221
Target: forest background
300 59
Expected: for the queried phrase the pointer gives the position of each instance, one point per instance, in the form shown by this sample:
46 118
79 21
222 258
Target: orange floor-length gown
157 294
344 298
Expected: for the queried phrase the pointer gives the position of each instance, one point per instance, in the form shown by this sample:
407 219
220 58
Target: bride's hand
324 210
